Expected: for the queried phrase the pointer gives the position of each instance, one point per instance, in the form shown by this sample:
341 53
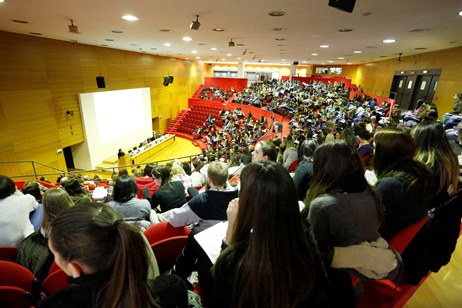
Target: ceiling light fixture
130 18
357 51
324 46
187 39
460 13
389 41
195 25
231 43
73 28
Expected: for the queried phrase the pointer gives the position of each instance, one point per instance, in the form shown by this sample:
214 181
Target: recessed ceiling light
324 46
198 58
218 29
262 60
304 62
240 44
283 59
202 44
194 51
330 61
213 48
341 58
167 44
187 39
389 41
117 31
345 30
130 18
357 51
314 54
276 13
109 40
20 21
279 29
228 55
323 63
164 30
460 13
223 59
239 58
349 63
280 39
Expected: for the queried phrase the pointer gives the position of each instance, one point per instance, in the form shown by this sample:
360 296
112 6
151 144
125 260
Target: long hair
277 268
95 235
7 187
163 173
306 150
125 189
394 157
55 201
337 167
434 150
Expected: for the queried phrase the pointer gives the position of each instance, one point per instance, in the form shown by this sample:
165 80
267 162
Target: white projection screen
112 120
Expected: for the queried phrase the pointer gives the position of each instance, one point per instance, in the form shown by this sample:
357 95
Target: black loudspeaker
295 62
170 79
343 5
166 81
100 82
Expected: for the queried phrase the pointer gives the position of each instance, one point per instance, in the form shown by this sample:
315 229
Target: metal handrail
77 172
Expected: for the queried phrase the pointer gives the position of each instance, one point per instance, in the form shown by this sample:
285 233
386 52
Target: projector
195 25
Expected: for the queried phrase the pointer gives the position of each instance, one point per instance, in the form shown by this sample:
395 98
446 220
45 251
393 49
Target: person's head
336 166
161 175
73 187
363 135
177 168
393 147
7 187
92 238
264 150
268 197
148 170
33 189
434 150
170 291
122 171
55 201
217 174
306 150
125 189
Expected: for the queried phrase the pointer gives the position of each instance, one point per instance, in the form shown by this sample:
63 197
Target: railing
382 93
114 169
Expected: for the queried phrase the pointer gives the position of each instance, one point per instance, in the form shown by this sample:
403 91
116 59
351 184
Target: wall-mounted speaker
343 5
166 81
170 79
100 82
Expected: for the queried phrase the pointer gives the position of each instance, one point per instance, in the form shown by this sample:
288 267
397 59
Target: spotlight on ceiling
73 28
231 43
195 25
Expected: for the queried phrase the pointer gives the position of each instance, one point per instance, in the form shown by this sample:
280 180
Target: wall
226 83
284 70
40 81
379 75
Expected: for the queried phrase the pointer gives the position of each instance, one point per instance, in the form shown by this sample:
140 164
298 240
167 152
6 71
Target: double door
408 89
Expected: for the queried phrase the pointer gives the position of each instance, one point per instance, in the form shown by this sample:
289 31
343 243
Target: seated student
76 190
304 172
364 147
107 260
146 181
33 252
209 207
405 185
197 179
253 270
126 203
170 195
34 190
342 210
264 150
15 208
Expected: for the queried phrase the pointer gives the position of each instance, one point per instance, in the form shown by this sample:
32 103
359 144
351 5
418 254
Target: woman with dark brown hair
405 185
107 259
265 265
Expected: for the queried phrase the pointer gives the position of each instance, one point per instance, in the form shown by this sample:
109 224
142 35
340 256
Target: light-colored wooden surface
442 289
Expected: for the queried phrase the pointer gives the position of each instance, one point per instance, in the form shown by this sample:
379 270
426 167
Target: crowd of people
343 182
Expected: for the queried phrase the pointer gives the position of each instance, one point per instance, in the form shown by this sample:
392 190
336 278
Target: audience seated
15 208
405 185
304 172
33 252
107 259
125 202
268 199
35 189
171 193
78 193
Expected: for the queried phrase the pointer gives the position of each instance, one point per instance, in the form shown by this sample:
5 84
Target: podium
124 161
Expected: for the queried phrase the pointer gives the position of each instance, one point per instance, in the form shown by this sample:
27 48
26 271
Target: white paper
210 240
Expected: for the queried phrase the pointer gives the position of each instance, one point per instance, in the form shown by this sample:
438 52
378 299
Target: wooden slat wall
40 81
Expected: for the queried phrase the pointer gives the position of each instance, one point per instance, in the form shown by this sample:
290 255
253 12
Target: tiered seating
194 117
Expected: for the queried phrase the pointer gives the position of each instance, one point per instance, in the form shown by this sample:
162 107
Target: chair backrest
8 253
53 268
402 239
164 230
167 250
15 275
14 297
293 166
55 282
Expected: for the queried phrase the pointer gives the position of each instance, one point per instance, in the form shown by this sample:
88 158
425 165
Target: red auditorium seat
55 282
167 250
14 297
164 230
8 253
15 275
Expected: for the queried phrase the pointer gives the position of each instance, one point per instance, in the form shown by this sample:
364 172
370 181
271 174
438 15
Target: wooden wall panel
41 80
